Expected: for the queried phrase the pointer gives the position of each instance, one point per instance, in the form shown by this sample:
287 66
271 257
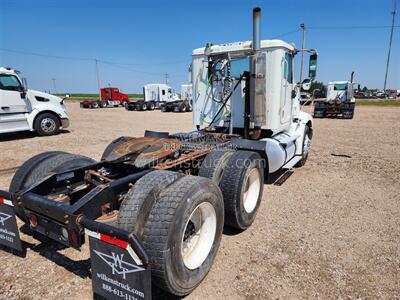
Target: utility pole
303 40
166 75
54 85
390 46
98 77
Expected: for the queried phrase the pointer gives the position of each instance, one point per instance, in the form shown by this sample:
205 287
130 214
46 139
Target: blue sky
150 38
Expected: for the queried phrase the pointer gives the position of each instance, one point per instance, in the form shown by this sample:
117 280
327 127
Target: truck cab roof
8 71
339 82
246 45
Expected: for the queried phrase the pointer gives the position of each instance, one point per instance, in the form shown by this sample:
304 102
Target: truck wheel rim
48 125
252 190
199 234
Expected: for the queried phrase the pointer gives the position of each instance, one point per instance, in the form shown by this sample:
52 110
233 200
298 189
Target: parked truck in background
110 97
155 206
155 95
339 100
23 109
184 104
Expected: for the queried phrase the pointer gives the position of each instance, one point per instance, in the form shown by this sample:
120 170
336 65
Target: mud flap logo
115 273
9 234
4 217
117 264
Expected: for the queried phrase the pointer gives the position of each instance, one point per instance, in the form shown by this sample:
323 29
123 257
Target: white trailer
23 109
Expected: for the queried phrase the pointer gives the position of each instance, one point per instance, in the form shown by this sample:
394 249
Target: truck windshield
340 87
10 83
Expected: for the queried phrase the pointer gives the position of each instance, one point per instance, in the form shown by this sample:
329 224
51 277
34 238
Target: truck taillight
74 238
33 220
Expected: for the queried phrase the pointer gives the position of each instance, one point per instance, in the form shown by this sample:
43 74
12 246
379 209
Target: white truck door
10 95
286 94
163 94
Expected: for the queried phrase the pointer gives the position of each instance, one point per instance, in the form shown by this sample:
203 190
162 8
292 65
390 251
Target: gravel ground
331 230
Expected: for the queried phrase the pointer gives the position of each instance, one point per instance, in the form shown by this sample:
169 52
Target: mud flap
9 234
117 271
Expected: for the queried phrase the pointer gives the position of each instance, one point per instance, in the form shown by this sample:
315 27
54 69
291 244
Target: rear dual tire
179 220
240 175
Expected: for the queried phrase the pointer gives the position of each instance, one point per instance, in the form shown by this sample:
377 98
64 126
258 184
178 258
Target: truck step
291 163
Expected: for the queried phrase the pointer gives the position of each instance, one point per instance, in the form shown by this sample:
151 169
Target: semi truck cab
23 109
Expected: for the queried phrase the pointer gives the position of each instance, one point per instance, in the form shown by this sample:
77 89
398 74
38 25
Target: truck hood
43 97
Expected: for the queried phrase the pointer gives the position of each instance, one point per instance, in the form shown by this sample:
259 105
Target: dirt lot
332 230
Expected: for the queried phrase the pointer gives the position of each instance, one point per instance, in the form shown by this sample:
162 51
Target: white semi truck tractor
154 207
155 94
184 104
23 109
339 100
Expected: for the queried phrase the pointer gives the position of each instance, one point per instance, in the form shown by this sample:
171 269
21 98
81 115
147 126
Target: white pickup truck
23 109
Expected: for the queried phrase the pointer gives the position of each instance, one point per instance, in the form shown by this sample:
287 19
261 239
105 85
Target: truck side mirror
312 68
24 84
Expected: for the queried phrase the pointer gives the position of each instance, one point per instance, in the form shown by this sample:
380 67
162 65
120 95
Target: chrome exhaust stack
257 105
256 29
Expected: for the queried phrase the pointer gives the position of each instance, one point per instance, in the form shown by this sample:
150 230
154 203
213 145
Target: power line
89 59
45 55
350 27
286 33
129 69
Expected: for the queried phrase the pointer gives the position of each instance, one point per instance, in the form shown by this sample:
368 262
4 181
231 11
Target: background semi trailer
110 97
184 104
23 109
339 100
155 95
154 207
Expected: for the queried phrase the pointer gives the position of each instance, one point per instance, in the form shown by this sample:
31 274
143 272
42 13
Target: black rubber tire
138 202
115 143
94 105
130 106
233 185
214 164
304 155
188 106
143 106
165 228
124 103
103 104
40 166
40 118
182 107
151 106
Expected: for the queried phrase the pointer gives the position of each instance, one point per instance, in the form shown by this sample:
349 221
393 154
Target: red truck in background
110 97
